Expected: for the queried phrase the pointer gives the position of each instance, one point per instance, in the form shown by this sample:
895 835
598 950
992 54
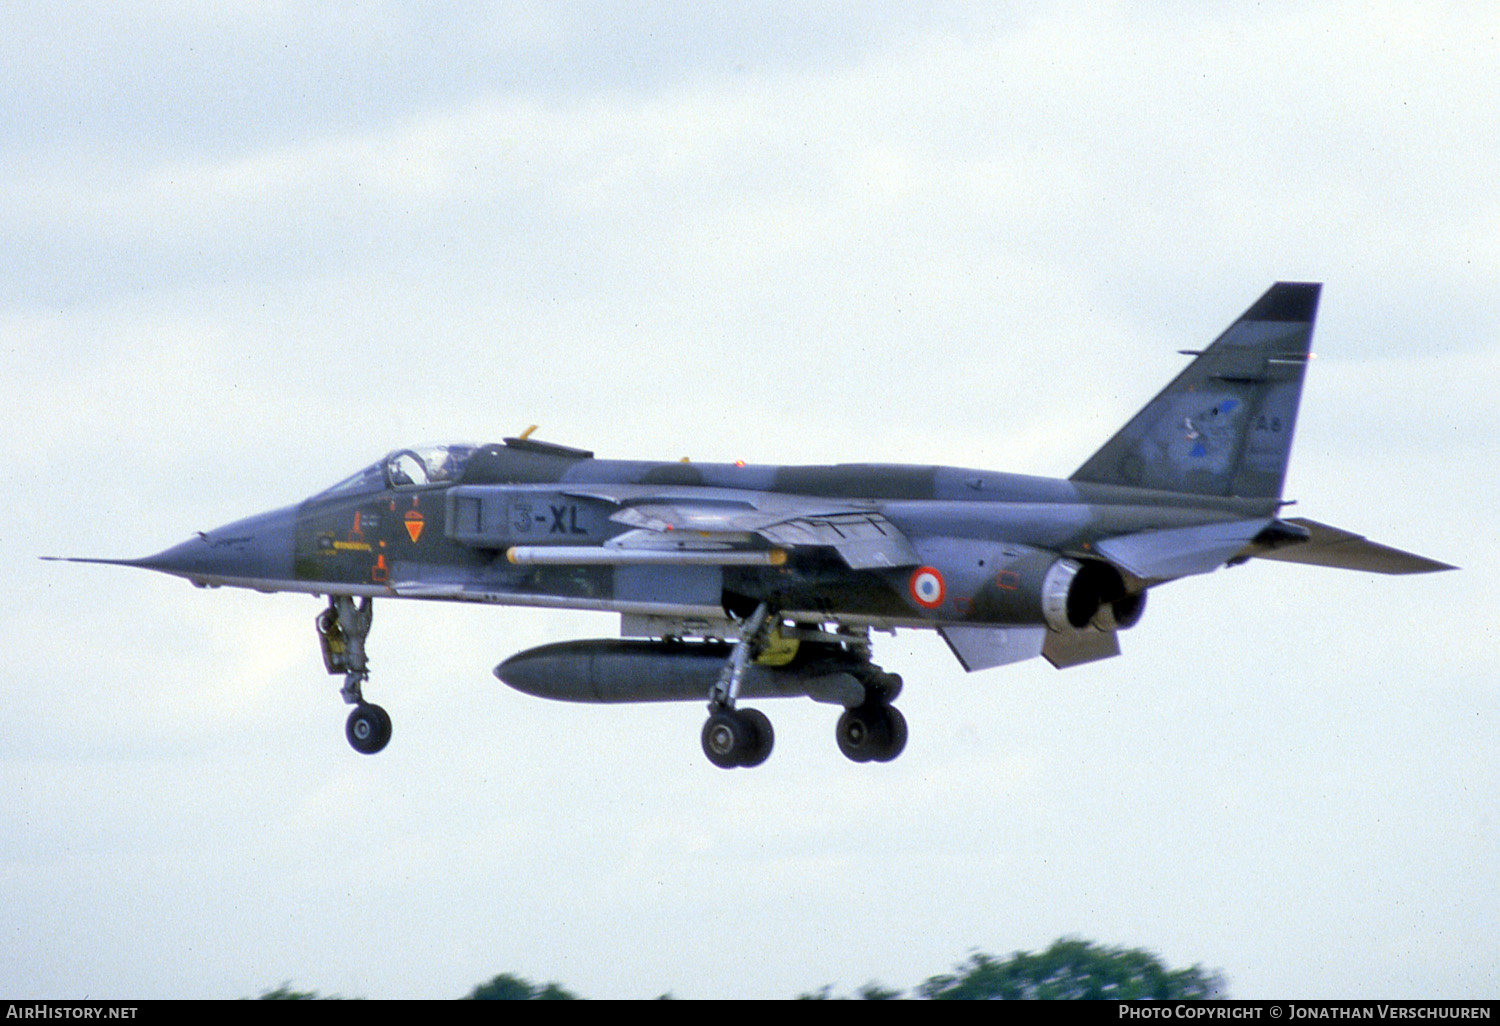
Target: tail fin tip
1293 301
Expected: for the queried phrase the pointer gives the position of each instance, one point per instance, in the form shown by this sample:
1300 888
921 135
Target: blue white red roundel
927 588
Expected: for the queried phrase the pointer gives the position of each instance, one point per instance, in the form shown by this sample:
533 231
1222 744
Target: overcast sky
250 247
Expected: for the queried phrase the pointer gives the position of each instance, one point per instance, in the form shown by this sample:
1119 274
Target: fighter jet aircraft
736 581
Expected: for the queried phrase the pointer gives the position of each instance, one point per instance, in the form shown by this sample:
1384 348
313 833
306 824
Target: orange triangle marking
414 525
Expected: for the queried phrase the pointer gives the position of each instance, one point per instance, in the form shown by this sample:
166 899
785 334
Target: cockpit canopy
417 467
427 465
517 461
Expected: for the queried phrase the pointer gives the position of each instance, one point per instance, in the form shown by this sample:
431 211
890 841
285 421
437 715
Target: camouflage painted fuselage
978 529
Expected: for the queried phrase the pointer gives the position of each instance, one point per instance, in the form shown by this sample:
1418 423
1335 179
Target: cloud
250 247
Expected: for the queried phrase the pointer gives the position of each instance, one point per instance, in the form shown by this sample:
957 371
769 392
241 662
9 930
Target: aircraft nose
258 548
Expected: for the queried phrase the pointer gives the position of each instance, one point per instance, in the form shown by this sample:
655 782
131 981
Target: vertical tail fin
1223 427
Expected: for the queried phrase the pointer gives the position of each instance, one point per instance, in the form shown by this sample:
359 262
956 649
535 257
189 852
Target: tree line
1069 969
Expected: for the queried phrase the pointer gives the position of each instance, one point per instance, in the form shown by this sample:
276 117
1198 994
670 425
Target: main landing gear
739 737
873 731
342 629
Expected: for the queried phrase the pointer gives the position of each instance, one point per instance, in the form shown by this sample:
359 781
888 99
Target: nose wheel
342 629
368 728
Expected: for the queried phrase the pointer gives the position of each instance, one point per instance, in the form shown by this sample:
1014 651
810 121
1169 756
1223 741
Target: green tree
286 993
507 987
1075 969
871 991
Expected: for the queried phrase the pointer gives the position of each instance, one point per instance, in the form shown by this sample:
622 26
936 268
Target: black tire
763 738
880 687
895 737
891 687
385 724
727 736
863 732
368 729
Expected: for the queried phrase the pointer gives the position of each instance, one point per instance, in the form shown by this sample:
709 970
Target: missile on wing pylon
615 670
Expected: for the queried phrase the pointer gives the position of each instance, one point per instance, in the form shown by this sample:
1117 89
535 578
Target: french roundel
927 588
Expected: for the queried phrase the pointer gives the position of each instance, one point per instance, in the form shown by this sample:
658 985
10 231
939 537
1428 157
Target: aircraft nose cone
258 548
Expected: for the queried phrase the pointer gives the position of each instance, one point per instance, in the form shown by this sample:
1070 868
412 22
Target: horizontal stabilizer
1180 551
1332 546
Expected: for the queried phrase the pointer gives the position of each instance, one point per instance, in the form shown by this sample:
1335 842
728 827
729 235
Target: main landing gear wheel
873 732
368 728
733 736
737 737
765 737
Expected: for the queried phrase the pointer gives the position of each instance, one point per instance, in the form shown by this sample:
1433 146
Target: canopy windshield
427 465
417 467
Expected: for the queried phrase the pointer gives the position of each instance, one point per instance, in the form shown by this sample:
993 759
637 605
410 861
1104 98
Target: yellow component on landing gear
335 645
778 650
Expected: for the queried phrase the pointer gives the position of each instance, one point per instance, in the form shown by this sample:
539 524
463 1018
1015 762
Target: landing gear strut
739 737
342 629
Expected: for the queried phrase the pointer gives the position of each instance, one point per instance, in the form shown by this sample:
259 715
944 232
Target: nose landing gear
342 629
368 728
